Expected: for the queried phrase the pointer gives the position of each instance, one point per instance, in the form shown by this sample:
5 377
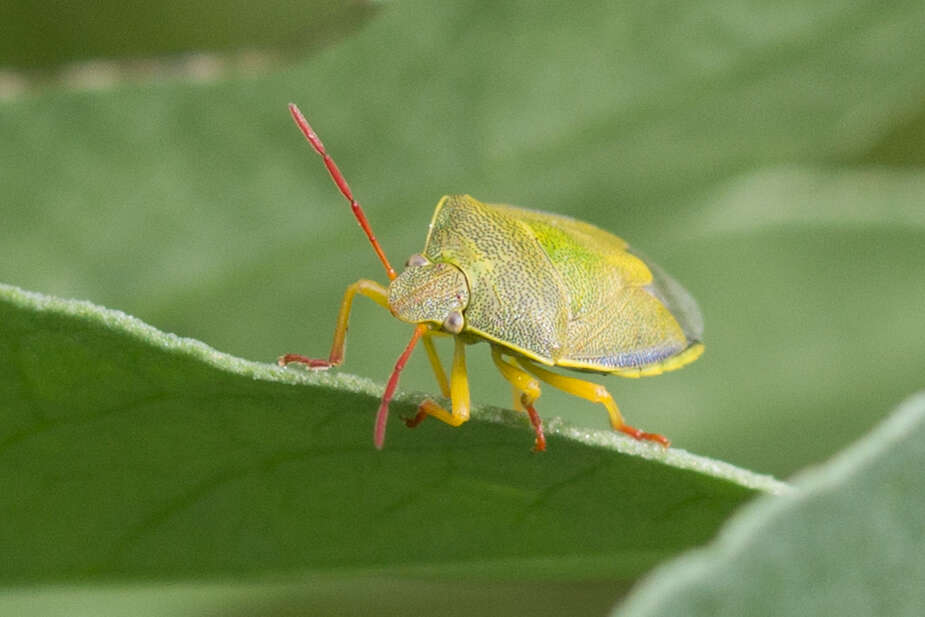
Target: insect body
544 290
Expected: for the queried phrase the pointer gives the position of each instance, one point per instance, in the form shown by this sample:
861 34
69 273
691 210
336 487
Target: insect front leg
595 393
529 389
365 287
436 365
459 394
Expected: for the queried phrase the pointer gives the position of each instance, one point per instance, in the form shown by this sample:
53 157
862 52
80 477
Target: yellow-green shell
563 292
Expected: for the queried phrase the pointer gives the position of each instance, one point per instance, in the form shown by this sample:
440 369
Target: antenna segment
341 183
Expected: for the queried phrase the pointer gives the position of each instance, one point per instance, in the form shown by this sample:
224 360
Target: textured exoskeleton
548 287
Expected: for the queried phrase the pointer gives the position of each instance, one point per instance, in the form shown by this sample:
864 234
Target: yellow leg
364 287
519 379
518 406
436 365
459 394
529 389
593 392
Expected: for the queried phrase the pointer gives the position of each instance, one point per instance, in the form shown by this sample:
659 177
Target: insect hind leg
595 393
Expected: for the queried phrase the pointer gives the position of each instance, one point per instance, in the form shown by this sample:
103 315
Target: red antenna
341 183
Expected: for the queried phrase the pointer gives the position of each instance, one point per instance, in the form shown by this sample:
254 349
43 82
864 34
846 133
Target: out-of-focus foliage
849 541
48 36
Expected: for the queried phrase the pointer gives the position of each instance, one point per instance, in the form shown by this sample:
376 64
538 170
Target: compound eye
454 322
416 260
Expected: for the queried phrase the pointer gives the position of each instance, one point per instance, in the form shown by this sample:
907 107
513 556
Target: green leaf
849 541
129 453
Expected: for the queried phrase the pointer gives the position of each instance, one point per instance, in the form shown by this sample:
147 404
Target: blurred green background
768 155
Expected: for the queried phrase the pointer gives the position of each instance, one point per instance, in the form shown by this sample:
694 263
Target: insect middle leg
595 393
458 391
516 403
364 287
529 389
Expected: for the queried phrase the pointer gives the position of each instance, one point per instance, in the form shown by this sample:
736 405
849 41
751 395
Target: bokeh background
770 156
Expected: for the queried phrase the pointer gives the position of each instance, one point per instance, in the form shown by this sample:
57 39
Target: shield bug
543 290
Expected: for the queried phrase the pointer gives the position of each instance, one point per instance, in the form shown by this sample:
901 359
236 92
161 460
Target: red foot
539 444
635 433
417 419
314 364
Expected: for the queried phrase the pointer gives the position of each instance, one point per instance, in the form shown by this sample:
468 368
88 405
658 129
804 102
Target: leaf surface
129 453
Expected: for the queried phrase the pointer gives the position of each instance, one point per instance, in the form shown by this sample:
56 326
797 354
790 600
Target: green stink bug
541 289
